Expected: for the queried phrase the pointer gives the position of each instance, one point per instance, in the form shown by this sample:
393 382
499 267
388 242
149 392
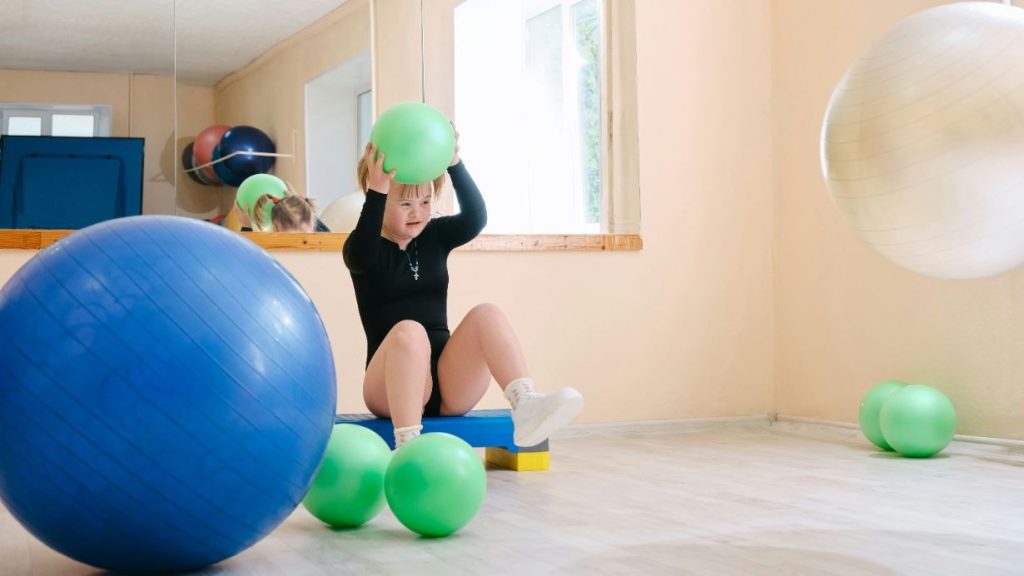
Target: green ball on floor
435 484
348 490
918 421
871 409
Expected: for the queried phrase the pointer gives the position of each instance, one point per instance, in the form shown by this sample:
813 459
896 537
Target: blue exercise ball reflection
241 139
167 391
222 171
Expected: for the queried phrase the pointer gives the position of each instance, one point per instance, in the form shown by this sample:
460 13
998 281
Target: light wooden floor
734 499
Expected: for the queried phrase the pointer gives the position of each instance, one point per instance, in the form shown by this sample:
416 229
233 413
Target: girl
397 256
292 213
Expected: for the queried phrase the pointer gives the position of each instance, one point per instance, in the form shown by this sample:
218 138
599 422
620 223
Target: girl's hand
455 156
377 180
243 216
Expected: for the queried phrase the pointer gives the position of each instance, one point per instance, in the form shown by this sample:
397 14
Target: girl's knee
486 311
409 336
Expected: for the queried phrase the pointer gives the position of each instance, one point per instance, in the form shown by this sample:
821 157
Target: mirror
101 68
300 73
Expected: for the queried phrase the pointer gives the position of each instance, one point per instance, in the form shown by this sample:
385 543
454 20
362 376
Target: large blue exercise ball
242 139
153 416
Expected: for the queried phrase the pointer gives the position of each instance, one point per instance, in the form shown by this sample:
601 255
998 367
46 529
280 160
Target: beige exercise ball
923 141
342 214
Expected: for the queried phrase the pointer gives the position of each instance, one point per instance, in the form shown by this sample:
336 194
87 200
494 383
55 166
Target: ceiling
214 37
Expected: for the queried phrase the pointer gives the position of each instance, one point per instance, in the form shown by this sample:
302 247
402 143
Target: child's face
407 210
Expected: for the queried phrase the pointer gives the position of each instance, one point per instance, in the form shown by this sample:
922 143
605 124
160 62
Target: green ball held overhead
417 140
348 490
255 186
918 421
435 484
871 409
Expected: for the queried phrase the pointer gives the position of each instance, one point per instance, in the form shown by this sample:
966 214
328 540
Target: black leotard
386 291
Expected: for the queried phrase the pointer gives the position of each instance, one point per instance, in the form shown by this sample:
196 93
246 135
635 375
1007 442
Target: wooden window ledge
332 242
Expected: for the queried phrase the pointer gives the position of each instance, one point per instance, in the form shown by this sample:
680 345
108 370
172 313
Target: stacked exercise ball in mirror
914 420
154 417
235 153
435 484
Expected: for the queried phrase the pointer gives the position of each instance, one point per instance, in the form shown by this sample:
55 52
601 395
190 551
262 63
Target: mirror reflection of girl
397 256
293 213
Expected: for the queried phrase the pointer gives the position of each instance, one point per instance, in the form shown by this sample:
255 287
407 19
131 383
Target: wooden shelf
332 242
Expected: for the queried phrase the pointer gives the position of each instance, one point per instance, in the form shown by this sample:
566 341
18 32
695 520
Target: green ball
871 408
255 186
435 484
349 488
417 140
918 421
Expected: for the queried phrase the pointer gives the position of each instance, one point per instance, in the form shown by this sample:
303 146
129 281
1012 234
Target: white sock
518 389
406 433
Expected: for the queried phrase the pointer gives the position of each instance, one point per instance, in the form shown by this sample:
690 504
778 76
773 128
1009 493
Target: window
528 102
25 126
55 120
73 125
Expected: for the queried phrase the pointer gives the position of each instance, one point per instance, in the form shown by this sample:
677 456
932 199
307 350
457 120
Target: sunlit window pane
527 106
25 126
74 125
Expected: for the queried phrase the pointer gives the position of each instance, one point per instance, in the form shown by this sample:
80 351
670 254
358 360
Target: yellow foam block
518 461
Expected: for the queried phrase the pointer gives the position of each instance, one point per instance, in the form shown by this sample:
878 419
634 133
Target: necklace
414 266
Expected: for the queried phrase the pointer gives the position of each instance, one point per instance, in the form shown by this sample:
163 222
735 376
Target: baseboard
659 426
843 431
785 419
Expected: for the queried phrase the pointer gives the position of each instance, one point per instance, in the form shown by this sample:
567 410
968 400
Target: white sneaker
536 416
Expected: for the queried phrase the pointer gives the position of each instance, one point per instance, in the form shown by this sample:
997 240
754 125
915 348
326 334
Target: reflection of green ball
871 408
416 139
349 488
250 191
918 421
435 484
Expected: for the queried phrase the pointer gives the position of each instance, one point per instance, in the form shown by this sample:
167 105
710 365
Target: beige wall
683 328
152 117
196 113
751 294
680 329
142 106
846 317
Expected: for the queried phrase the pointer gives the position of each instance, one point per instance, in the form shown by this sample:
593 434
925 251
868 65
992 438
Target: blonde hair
403 191
292 213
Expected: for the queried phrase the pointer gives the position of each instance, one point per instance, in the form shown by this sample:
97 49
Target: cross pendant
415 275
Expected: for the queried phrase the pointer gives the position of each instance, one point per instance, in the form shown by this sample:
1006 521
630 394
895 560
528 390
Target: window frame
413 62
101 113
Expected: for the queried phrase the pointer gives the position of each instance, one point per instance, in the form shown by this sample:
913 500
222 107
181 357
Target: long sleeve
460 228
360 251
